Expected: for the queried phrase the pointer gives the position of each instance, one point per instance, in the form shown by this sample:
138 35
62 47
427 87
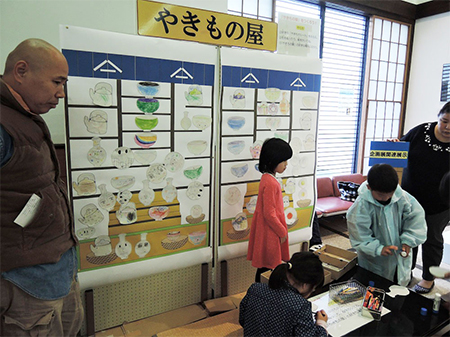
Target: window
256 9
343 53
386 78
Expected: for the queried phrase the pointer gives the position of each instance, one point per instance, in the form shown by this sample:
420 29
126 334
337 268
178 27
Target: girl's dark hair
273 152
304 267
445 109
382 178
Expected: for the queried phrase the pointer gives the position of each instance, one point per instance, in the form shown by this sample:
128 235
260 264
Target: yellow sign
389 154
192 24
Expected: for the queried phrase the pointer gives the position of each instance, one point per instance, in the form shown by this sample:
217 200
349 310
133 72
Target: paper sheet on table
342 318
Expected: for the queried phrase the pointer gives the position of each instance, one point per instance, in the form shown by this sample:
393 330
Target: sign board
392 153
298 35
193 24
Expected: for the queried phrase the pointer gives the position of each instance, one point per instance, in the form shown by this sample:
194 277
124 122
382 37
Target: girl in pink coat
268 244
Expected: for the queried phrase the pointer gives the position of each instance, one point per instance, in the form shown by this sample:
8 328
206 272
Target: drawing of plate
196 211
290 216
195 190
251 204
156 173
173 162
197 147
233 235
438 271
232 195
144 156
236 146
309 102
122 183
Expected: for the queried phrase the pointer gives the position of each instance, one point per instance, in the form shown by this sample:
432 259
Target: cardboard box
266 275
172 319
113 332
336 260
219 305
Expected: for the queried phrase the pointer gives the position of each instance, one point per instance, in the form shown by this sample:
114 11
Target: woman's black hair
273 152
445 109
304 267
382 178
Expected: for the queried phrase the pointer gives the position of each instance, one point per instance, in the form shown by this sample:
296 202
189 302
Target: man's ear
20 70
368 187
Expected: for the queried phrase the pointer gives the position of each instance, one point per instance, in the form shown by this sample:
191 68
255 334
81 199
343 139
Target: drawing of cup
102 94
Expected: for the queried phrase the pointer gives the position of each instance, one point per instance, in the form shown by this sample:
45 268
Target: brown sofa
329 202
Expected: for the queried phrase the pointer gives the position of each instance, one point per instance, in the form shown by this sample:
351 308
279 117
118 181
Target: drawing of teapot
97 122
238 99
85 184
194 95
90 215
102 246
101 94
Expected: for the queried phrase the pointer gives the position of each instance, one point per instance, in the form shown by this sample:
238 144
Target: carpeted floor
334 232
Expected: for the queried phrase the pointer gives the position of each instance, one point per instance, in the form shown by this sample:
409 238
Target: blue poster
392 153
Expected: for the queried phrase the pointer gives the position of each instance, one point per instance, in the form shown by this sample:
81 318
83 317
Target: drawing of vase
284 105
185 121
123 248
142 247
169 192
101 94
106 200
146 195
96 155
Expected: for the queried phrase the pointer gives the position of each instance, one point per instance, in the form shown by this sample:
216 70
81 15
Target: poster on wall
263 96
139 121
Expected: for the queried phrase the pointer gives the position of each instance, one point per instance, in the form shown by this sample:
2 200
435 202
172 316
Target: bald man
39 287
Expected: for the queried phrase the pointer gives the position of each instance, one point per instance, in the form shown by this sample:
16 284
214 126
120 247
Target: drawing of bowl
309 143
303 202
236 146
255 149
197 237
159 212
148 89
173 236
197 146
145 139
201 121
239 170
193 172
236 122
282 135
272 94
146 122
123 183
145 156
240 222
147 105
309 102
194 220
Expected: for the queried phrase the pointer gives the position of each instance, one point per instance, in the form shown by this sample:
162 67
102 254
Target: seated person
280 308
384 223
